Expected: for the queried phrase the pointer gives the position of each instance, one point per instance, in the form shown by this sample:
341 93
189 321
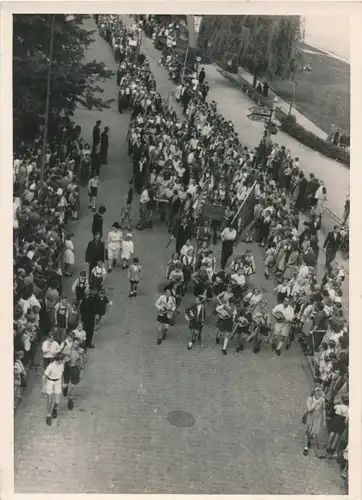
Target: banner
245 214
214 212
198 206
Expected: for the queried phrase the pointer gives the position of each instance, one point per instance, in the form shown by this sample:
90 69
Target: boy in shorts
134 276
52 386
72 370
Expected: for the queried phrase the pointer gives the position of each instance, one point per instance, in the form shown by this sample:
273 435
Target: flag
200 201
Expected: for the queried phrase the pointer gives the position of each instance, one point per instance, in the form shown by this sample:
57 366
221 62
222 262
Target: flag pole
185 61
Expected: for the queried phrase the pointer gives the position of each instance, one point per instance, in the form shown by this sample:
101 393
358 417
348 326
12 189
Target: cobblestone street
247 437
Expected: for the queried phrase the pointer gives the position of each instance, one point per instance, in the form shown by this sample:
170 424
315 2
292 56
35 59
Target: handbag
304 418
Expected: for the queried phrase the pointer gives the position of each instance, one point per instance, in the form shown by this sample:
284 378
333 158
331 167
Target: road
247 437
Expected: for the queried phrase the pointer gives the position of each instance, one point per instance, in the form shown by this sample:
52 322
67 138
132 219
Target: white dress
127 249
69 253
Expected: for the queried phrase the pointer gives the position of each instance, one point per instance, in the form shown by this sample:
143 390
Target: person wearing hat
196 315
95 252
114 245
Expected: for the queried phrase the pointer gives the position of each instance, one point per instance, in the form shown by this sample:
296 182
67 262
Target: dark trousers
89 331
179 244
330 256
226 252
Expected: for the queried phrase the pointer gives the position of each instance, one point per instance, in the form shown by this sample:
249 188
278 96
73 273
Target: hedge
292 128
289 124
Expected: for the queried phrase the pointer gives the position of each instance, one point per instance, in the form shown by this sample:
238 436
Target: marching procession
193 172
229 211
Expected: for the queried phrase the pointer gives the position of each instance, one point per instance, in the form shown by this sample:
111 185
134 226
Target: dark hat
116 225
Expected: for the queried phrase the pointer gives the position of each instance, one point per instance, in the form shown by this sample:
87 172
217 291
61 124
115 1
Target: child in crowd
73 317
69 259
80 287
101 306
134 276
282 291
98 275
93 191
127 249
80 334
61 310
269 259
126 213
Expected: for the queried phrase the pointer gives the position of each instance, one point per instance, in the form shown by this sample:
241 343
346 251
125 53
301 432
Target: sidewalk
284 105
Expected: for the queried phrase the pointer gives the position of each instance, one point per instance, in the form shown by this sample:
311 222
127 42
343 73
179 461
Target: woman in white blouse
166 306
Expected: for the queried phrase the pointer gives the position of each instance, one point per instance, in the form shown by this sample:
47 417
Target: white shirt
303 272
114 239
50 348
288 312
185 249
99 271
228 234
54 371
192 189
79 334
144 197
238 278
29 303
166 302
319 195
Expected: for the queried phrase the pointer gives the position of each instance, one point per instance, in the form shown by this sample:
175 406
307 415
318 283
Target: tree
267 46
74 81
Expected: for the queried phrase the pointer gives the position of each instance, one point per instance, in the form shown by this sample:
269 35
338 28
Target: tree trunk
192 33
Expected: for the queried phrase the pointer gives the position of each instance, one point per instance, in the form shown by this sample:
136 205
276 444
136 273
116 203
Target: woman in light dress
127 249
69 259
321 196
314 418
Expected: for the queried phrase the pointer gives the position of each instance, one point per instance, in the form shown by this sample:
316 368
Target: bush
292 128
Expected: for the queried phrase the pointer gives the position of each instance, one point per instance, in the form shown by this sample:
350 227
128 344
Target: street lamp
307 68
274 105
271 117
46 118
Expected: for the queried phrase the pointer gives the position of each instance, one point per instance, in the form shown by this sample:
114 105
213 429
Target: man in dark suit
95 252
182 232
196 314
96 136
88 309
104 145
331 245
202 76
97 224
174 209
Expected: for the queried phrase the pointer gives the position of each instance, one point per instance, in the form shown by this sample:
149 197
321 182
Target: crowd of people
191 168
45 198
47 322
183 165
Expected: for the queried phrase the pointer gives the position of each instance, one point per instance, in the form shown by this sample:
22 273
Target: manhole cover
180 418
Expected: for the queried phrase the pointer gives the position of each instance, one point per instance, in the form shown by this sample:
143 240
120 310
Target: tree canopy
268 46
74 81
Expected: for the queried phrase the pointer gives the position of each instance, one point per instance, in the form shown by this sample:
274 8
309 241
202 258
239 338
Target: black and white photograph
181 207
